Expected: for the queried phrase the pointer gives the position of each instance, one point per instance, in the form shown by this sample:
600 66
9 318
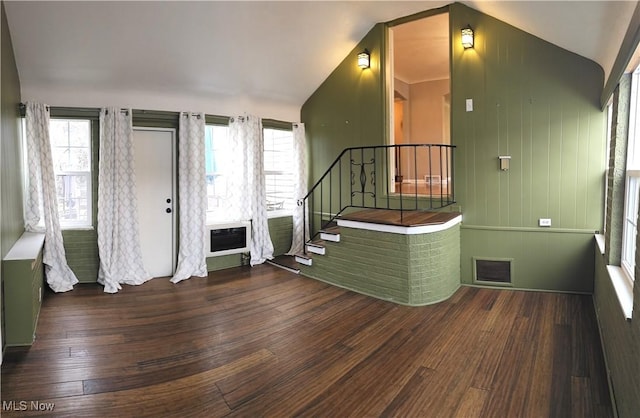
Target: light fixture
467 37
363 59
504 162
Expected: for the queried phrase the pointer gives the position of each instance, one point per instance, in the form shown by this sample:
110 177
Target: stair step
330 234
316 248
304 259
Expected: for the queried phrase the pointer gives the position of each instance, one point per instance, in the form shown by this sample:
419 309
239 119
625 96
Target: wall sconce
504 162
364 59
467 37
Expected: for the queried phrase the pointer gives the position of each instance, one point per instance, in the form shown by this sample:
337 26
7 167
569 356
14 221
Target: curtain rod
23 107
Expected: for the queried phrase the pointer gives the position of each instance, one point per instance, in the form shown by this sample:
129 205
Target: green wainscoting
407 269
542 260
81 248
280 230
620 338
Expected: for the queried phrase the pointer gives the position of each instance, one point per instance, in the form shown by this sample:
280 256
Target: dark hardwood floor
261 341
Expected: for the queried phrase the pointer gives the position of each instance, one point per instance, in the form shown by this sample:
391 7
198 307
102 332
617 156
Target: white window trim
627 267
85 224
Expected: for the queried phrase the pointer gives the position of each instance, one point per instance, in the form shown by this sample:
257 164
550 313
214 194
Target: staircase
391 177
319 247
407 264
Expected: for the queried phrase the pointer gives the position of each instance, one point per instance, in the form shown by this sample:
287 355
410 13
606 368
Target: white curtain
246 184
300 222
192 191
41 202
118 236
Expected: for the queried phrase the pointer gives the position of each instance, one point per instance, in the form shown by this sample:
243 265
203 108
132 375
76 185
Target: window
71 153
216 152
632 183
279 169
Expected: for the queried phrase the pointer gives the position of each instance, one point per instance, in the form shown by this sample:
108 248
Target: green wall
620 338
539 104
533 101
11 219
348 109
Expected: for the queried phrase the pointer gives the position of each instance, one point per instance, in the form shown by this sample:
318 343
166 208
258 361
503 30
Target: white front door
154 150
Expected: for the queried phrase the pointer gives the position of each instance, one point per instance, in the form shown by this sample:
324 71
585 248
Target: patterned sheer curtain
118 236
192 197
246 187
300 222
41 202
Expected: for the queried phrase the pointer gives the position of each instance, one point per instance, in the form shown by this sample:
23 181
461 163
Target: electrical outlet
544 222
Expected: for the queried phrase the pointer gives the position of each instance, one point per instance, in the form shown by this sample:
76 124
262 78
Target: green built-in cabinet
22 271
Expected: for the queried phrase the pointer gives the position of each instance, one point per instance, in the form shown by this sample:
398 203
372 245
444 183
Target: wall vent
493 271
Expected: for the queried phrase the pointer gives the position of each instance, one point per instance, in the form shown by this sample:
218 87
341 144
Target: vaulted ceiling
278 53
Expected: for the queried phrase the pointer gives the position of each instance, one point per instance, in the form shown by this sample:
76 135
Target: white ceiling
275 53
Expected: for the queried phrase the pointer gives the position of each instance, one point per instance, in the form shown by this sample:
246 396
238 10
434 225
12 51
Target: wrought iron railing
399 177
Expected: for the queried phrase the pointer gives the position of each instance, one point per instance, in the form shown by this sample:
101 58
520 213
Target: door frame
174 188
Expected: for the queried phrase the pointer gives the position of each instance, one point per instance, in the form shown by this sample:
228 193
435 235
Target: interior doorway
420 91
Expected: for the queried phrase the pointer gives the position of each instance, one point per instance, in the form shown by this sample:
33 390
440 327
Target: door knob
168 210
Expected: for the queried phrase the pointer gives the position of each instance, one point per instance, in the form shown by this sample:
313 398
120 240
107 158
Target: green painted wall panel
621 340
348 109
11 220
81 248
533 101
537 103
281 230
542 260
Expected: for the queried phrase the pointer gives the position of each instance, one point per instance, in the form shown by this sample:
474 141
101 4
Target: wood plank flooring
249 342
400 218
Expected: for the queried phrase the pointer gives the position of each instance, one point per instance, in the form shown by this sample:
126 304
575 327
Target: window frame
89 175
210 213
285 211
632 184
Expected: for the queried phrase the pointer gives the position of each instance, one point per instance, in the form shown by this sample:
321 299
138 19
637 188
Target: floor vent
493 271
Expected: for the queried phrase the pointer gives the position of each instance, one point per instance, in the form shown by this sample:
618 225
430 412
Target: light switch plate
469 105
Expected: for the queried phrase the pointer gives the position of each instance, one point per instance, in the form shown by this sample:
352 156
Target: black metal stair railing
398 177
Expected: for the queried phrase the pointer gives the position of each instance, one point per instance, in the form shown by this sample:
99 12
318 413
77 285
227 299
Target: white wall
167 101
